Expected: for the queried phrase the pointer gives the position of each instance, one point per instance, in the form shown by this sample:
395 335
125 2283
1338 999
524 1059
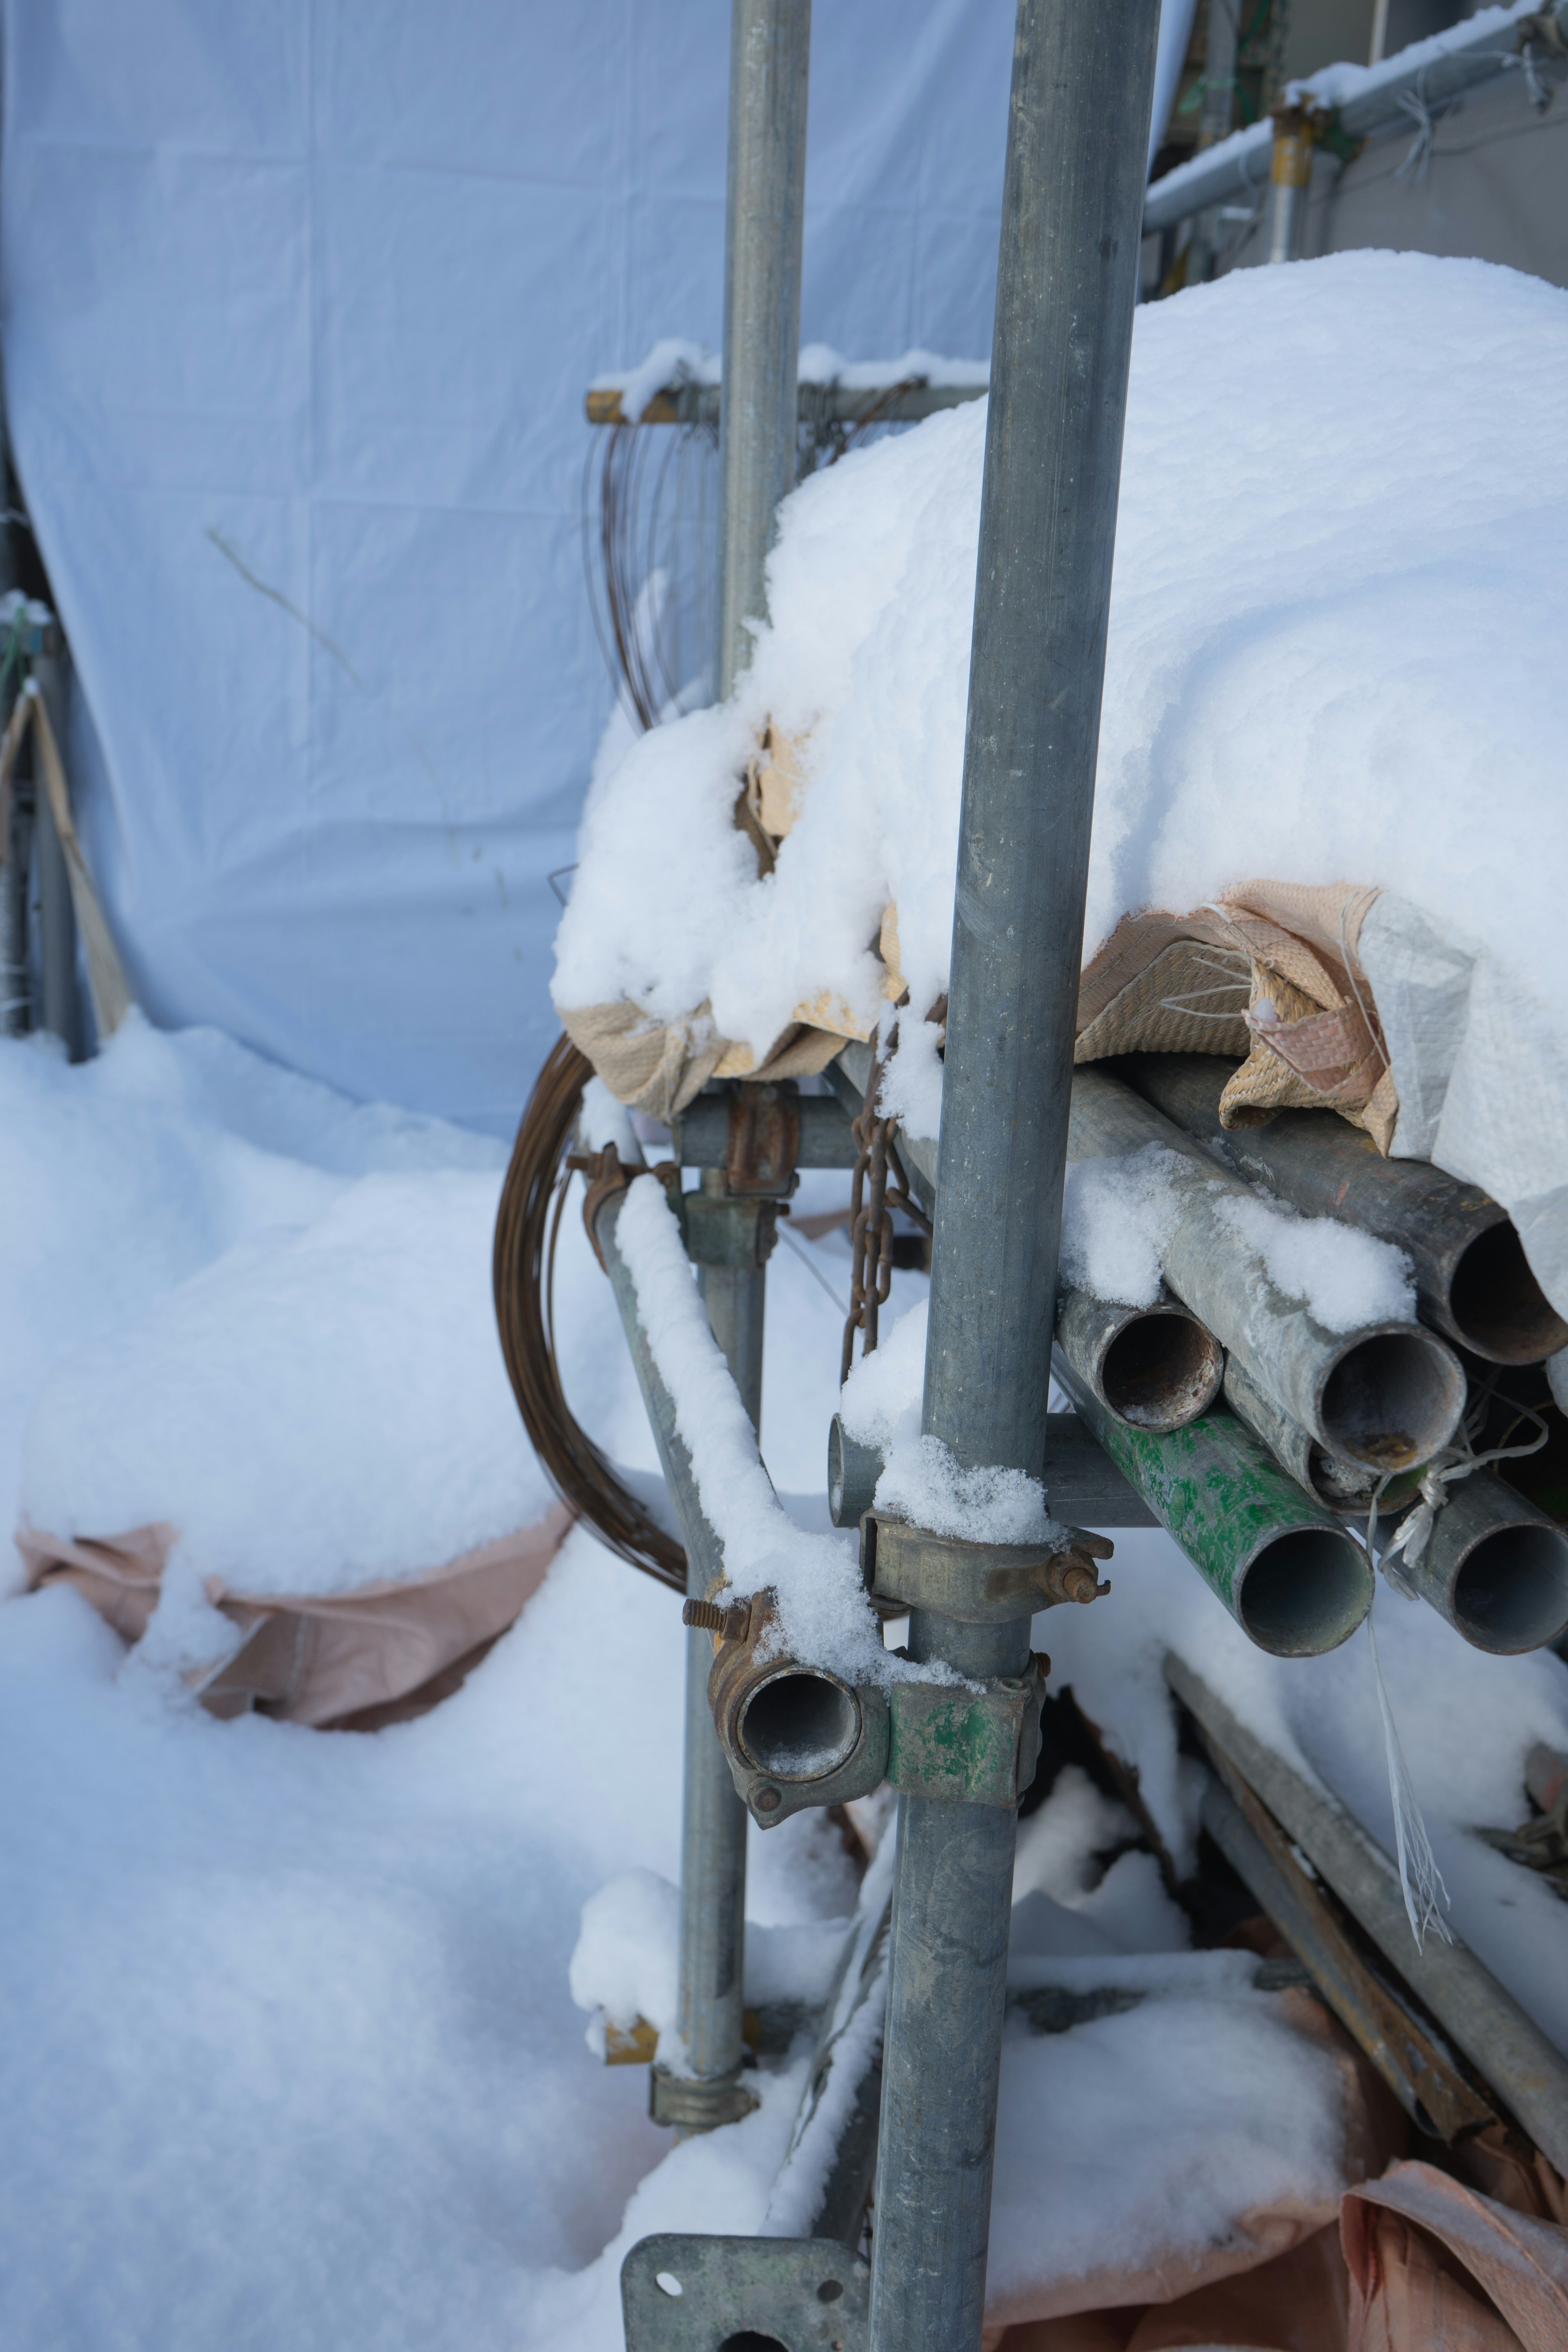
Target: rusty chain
872 1201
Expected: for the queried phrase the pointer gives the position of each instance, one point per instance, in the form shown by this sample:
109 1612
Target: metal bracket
772 1797
764 1140
685 2294
975 1583
698 2103
974 1748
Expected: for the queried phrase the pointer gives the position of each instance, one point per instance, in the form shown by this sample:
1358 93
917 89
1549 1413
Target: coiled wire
528 1224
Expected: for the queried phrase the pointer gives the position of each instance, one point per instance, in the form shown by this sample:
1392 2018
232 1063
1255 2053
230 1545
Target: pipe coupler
793 1736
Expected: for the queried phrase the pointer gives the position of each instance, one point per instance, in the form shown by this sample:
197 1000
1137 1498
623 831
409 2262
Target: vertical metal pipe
714 1818
1214 124
770 53
1071 215
1290 173
58 1010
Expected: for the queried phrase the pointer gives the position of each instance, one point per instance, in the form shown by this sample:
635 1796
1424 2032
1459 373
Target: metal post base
697 2294
698 2103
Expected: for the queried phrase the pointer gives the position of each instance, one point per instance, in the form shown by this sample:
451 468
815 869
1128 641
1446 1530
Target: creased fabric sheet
385 1651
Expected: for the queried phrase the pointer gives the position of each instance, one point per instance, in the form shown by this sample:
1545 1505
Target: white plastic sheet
300 299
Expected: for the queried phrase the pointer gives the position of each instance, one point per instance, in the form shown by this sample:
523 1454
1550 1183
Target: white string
1420 1880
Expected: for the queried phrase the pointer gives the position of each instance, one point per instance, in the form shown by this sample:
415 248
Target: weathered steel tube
1346 1489
1293 1579
1387 1395
1473 1281
1067 282
701 1136
1151 1367
1496 1567
1486 2022
713 1819
769 58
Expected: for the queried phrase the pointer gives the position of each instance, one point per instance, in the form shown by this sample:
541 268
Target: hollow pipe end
1303 1591
1391 1397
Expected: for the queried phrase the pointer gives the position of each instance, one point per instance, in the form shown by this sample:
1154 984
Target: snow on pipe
1153 1366
1284 1566
713 1826
1385 1394
1494 1566
1486 2022
1084 1487
1240 165
1473 1281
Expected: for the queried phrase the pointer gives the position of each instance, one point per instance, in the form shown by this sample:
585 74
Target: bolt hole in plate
682 2293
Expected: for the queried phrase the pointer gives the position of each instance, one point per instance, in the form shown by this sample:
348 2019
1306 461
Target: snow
823 1616
674 360
1345 1278
1119 1217
291 2014
1301 653
921 1482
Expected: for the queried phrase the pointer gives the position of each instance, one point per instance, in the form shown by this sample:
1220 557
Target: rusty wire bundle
527 1225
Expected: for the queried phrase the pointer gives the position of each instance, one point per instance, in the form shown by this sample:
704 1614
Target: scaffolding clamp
971 1747
906 1567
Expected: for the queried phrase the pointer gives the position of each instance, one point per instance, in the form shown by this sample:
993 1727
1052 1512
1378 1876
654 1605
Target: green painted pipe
1296 1583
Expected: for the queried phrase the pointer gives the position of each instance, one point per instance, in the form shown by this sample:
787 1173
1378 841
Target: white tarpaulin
300 300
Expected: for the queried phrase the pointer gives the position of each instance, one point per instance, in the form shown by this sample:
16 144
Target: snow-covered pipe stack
1473 1281
1384 1393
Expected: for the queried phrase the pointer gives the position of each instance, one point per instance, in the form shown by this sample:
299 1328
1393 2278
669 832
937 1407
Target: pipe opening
1305 1593
1499 1307
799 1725
1511 1592
1160 1370
1392 1399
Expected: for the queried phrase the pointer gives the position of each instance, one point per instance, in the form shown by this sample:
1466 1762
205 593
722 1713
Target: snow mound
1332 652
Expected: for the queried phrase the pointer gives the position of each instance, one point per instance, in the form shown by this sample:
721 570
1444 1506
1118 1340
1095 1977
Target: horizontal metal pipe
1284 1567
1410 2057
1153 1366
1387 1394
1472 1278
1496 1567
700 1138
1346 1489
1240 166
1084 1486
1486 2022
820 403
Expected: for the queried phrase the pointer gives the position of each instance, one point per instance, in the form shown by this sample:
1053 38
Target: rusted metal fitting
793 1736
606 1177
731 1624
1298 129
975 1583
763 1141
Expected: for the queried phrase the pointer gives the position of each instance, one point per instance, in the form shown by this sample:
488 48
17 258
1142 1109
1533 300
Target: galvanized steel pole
770 53
769 64
1071 208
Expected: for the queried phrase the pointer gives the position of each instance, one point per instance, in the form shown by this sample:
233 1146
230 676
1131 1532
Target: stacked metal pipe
1362 1423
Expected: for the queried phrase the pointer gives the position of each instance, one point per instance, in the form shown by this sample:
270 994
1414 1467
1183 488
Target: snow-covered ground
288 2056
